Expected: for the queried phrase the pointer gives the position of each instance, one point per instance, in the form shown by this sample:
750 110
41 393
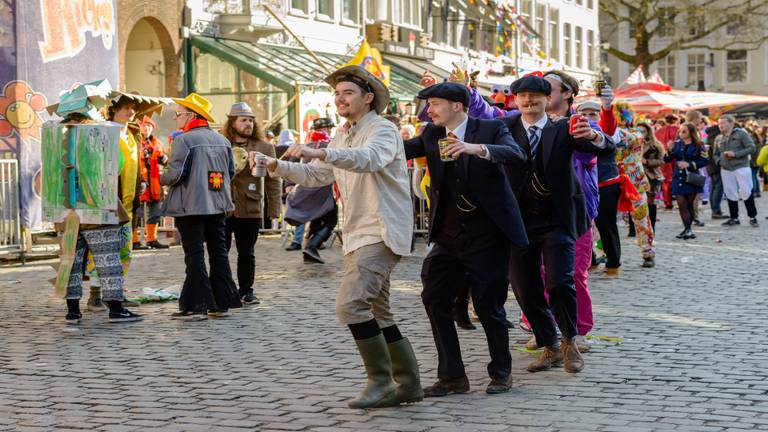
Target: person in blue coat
689 155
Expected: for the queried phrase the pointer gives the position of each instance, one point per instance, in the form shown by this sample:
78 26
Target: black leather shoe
139 246
293 247
312 256
446 387
154 244
466 325
499 385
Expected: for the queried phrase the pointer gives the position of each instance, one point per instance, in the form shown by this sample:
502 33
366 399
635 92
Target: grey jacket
199 173
738 142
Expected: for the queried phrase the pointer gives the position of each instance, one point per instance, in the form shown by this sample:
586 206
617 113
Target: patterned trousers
104 245
643 230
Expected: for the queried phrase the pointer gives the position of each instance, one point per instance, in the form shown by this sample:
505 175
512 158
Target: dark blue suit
554 221
474 218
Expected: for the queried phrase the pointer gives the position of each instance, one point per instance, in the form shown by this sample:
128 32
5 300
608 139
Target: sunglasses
178 114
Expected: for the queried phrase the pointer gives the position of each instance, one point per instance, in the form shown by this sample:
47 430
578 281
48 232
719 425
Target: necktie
533 140
451 135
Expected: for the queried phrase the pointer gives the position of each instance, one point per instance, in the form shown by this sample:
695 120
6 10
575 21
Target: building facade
739 69
254 50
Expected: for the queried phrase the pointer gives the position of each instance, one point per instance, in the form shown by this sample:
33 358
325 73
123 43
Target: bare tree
683 24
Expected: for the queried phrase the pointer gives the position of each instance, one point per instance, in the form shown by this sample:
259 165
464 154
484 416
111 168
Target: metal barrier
10 223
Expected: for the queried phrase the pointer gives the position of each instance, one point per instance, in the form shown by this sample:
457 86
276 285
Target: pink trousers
581 263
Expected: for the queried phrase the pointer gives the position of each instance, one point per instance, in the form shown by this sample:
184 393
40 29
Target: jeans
755 182
298 234
716 193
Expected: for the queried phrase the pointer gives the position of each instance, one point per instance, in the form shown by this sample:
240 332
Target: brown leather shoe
550 358
446 387
499 385
572 360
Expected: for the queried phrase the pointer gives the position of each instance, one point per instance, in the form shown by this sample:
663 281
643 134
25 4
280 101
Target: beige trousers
364 293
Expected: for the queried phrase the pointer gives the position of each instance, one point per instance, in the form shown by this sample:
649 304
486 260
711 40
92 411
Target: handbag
695 179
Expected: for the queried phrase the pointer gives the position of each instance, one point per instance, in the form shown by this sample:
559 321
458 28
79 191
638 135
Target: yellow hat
198 104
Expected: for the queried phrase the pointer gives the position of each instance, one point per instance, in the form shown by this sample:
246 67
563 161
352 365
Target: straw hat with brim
359 75
198 104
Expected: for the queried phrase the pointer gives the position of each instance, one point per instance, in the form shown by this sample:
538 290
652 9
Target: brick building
150 46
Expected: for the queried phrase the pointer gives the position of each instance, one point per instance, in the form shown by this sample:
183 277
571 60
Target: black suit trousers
481 262
557 248
606 224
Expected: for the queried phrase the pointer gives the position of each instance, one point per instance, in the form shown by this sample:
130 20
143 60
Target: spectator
248 195
152 159
688 155
199 174
733 149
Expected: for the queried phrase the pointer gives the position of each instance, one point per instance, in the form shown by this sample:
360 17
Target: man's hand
271 163
682 165
729 154
427 79
606 97
582 130
457 148
305 152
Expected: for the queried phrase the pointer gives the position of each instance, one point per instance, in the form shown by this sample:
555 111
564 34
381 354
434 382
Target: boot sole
389 400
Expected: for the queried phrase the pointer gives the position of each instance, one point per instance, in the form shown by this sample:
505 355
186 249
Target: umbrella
656 98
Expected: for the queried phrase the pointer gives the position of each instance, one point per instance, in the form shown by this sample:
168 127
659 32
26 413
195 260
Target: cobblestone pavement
692 356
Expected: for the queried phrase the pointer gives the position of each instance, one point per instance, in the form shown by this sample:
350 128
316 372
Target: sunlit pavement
691 355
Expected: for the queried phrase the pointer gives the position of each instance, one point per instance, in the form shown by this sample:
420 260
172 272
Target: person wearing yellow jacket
123 110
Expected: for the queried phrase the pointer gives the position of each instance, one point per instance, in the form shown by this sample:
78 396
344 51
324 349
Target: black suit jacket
486 179
556 147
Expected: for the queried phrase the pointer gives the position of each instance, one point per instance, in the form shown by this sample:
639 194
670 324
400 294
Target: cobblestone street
690 358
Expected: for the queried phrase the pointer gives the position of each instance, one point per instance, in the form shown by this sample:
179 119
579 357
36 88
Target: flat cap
449 91
588 105
531 84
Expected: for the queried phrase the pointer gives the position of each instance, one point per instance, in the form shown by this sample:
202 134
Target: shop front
283 85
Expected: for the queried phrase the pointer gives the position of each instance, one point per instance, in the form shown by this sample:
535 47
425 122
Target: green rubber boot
405 371
380 390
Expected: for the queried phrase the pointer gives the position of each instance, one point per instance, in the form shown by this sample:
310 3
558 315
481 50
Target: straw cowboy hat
361 77
198 104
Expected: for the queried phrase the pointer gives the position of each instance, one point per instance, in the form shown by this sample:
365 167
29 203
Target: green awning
285 67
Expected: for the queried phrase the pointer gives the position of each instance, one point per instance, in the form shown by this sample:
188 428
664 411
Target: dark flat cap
531 84
447 90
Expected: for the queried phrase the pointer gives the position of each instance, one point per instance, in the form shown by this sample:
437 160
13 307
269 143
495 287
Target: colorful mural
45 47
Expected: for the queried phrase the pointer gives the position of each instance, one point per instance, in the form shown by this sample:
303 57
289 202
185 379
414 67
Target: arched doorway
150 59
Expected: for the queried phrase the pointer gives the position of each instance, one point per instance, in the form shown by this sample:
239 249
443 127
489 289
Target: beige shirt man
367 161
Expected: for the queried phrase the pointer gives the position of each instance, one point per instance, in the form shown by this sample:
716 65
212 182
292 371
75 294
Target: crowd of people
520 194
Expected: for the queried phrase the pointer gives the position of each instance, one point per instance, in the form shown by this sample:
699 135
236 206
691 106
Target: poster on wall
314 104
51 46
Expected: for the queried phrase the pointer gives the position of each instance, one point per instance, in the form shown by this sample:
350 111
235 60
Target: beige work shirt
367 161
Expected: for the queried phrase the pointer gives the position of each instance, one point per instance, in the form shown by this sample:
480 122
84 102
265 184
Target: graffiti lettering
65 23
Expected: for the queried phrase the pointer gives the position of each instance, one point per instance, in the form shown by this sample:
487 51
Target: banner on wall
47 46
